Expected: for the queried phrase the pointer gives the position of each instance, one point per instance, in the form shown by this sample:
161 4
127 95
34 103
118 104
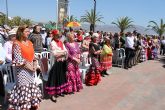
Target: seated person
2 55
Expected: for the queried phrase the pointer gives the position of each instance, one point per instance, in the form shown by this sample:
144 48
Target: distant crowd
70 48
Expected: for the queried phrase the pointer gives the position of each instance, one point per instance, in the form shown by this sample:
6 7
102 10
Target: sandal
53 99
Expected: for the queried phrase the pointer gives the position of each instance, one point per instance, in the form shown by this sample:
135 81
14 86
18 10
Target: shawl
27 51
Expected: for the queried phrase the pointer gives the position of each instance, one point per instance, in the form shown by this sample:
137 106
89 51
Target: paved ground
139 88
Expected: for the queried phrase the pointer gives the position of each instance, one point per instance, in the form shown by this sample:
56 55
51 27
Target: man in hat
9 44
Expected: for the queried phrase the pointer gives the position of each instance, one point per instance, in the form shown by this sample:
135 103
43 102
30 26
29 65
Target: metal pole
6 12
94 15
57 15
68 9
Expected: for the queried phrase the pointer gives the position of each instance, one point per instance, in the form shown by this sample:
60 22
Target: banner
62 10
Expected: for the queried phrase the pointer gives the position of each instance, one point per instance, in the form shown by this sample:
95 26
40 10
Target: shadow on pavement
162 60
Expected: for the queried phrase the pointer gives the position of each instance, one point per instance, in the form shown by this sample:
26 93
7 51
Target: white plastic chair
120 57
86 60
39 81
38 55
47 55
9 78
83 71
84 66
44 68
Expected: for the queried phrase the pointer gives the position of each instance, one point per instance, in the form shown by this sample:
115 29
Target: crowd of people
19 45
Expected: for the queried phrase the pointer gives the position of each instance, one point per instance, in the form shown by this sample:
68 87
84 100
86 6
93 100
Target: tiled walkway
139 88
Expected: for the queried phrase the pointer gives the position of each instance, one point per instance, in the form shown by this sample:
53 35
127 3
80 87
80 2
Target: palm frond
159 29
123 23
89 17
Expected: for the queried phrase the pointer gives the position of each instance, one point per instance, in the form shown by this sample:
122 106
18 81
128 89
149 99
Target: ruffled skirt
57 81
73 77
93 76
24 96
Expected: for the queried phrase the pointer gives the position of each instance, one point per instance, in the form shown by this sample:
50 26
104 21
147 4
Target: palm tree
2 19
26 22
16 21
159 29
68 19
50 25
123 23
91 18
71 18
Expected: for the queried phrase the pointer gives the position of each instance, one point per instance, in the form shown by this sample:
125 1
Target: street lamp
6 12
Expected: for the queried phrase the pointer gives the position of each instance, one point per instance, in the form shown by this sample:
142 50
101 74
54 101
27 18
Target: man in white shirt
162 49
129 51
9 44
43 34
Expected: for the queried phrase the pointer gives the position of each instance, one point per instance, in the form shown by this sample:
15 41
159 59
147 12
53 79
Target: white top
8 48
2 54
129 42
55 50
43 37
63 38
49 39
163 42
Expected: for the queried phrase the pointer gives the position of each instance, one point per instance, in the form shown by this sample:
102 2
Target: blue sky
141 11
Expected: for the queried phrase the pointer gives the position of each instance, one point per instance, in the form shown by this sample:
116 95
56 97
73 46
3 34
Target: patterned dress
155 48
106 58
25 93
57 81
149 50
73 73
93 77
143 53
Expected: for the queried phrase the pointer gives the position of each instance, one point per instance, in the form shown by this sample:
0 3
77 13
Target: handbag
31 66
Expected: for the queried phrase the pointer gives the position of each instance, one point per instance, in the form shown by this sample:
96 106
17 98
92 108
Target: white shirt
43 37
55 50
49 39
129 42
2 53
8 48
163 42
63 38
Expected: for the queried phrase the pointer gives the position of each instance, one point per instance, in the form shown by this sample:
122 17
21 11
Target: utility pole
94 15
6 13
57 14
